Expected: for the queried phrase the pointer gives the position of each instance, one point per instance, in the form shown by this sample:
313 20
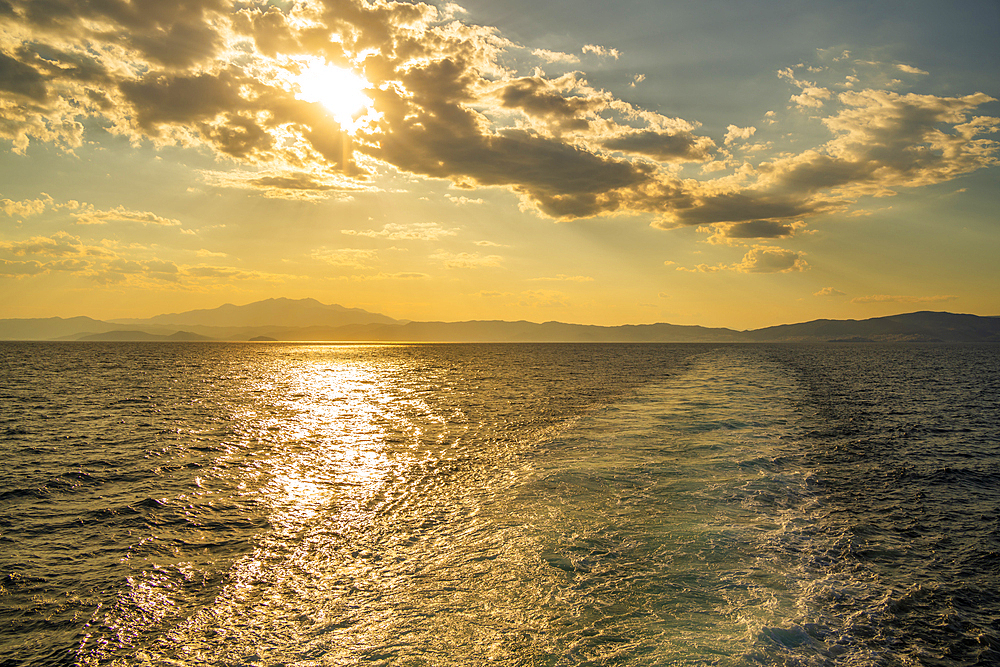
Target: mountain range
309 320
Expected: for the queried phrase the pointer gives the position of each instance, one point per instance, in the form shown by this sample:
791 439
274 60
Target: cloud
25 208
549 100
229 273
561 277
462 201
301 186
555 56
22 80
60 244
886 298
601 51
729 234
19 268
349 257
402 275
111 262
467 260
89 215
909 69
828 291
759 259
208 253
417 231
812 97
446 103
765 259
663 145
703 268
734 133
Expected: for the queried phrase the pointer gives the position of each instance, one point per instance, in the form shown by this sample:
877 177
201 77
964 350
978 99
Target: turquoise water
245 504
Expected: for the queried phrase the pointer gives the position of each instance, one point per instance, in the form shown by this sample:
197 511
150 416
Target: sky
736 164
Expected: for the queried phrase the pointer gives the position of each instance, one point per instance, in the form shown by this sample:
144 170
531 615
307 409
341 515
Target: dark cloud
179 45
540 97
175 34
447 108
161 98
21 79
60 64
269 29
292 182
564 180
758 229
238 136
739 207
812 172
664 146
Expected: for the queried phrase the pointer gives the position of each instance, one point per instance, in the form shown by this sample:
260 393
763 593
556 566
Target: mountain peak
280 311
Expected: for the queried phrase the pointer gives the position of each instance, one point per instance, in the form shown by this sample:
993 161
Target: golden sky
599 163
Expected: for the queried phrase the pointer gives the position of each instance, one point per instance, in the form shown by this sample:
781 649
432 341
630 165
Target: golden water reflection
338 443
330 456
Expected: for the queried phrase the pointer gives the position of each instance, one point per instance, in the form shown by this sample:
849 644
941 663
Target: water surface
278 504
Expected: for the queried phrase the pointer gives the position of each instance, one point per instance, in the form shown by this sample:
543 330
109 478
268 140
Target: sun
340 91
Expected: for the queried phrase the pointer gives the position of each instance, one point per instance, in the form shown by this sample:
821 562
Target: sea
282 504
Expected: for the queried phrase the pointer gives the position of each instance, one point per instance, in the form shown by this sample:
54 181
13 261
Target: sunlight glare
339 90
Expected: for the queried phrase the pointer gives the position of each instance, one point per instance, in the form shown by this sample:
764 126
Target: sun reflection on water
330 456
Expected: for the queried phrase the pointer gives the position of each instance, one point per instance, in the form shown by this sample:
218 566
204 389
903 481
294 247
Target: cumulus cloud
663 145
27 207
88 215
759 259
60 244
812 96
730 234
21 268
445 103
766 259
462 201
733 133
828 291
601 51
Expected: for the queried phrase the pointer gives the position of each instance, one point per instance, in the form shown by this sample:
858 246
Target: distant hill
531 332
140 336
270 312
48 328
923 326
310 320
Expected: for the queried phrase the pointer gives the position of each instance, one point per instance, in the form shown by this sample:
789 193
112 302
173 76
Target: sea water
284 504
